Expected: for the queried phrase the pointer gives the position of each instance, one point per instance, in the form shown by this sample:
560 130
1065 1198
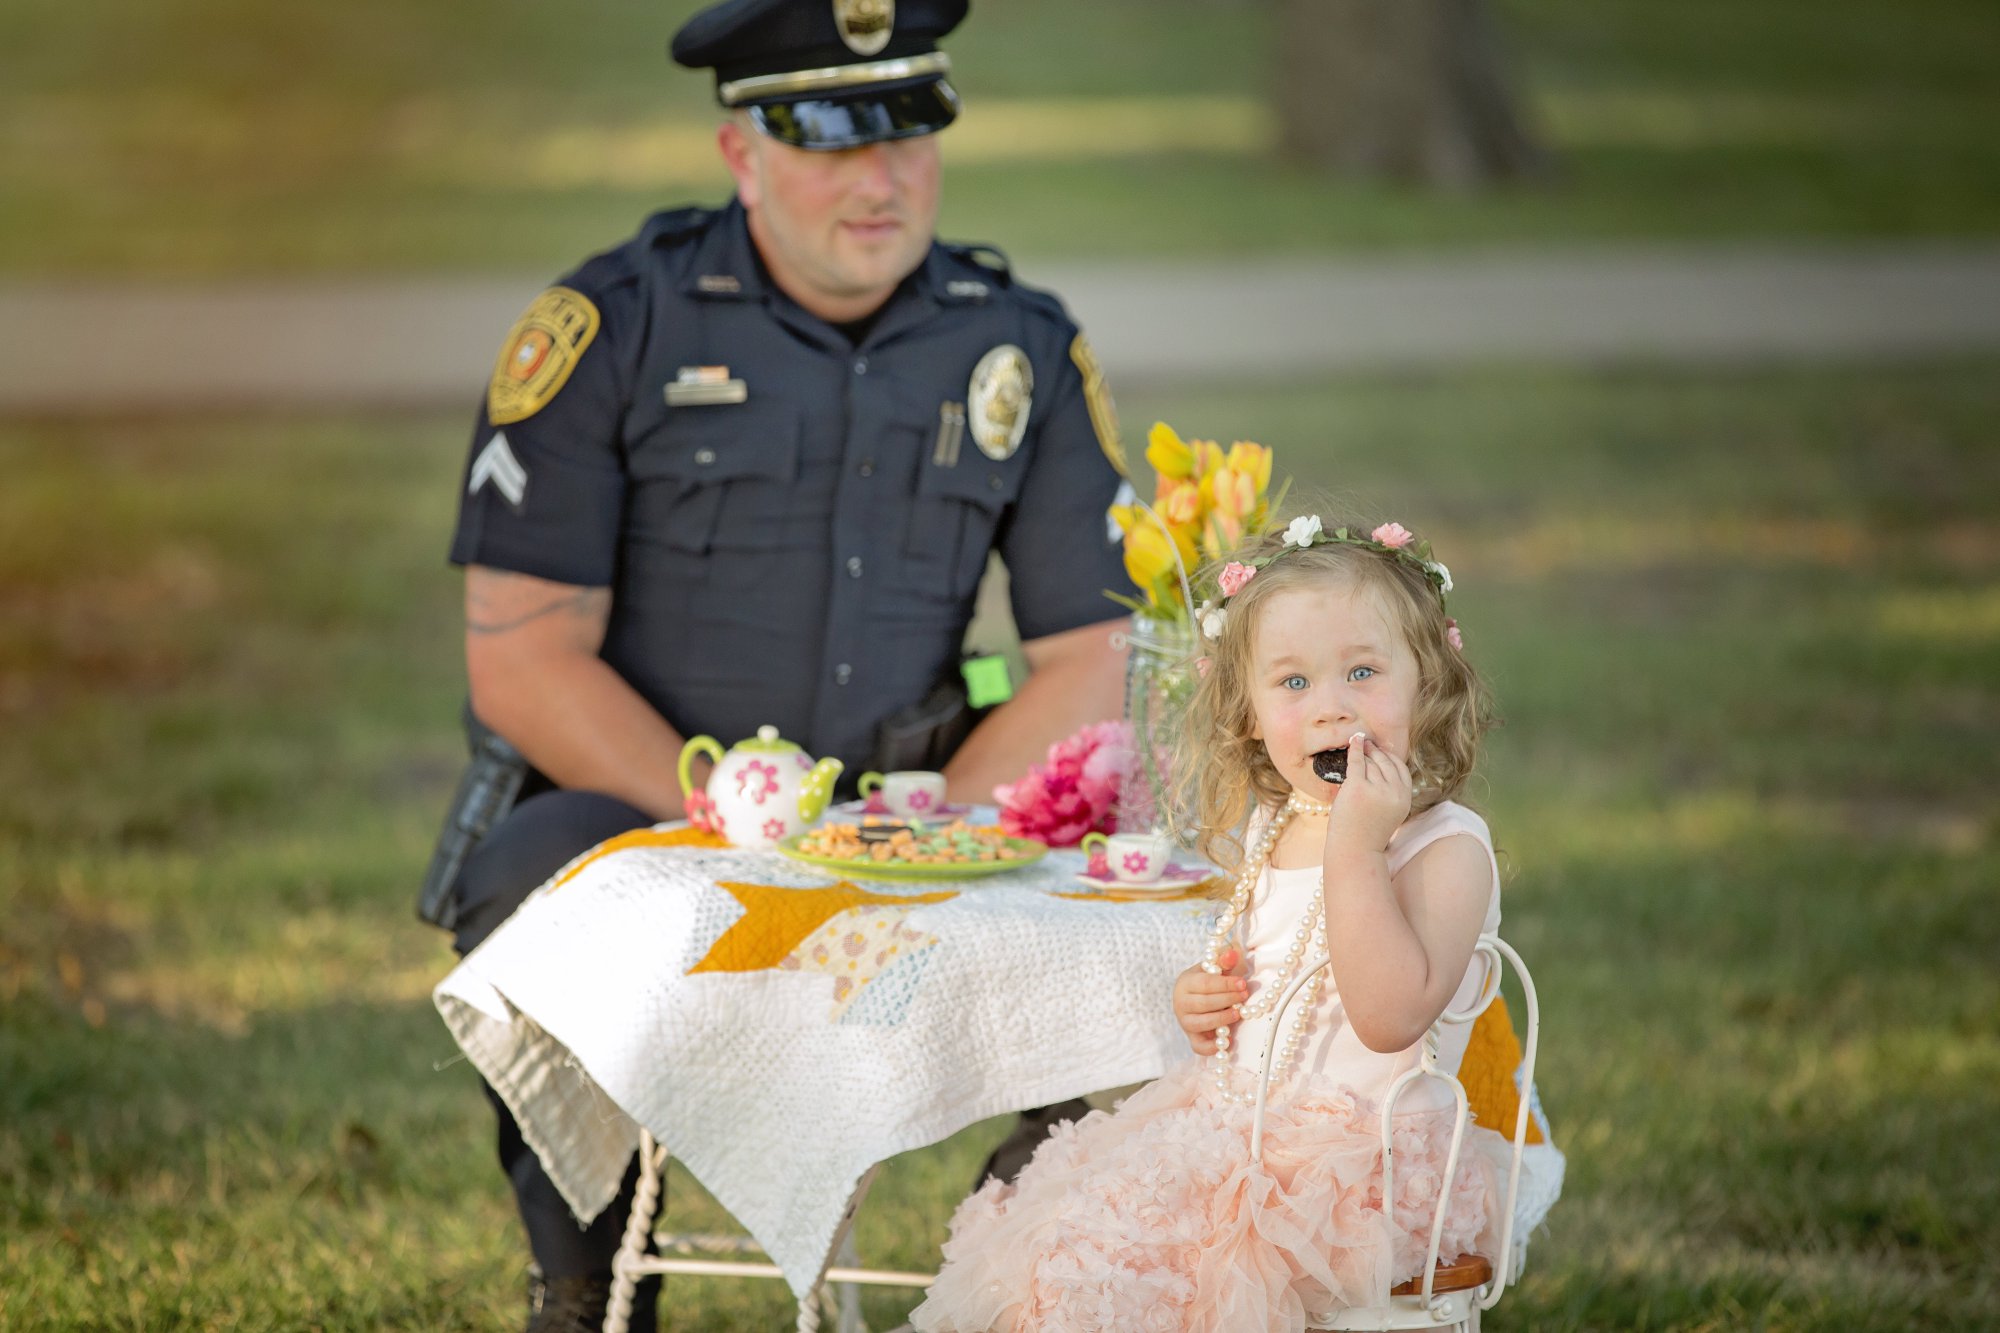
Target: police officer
748 467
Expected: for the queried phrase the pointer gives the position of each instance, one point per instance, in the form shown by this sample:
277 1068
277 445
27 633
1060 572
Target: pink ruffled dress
1153 1219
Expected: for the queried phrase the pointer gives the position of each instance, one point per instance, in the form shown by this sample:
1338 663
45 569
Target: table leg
645 1207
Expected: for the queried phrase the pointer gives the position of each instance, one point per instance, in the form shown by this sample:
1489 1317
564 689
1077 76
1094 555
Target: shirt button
867 468
704 456
854 566
861 365
842 674
993 482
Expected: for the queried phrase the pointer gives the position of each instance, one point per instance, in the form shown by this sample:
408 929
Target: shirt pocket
954 515
721 478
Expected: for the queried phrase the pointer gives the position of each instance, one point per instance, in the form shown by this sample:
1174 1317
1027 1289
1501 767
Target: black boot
1015 1150
578 1304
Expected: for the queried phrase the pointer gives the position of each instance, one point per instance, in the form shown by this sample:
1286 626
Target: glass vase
1160 681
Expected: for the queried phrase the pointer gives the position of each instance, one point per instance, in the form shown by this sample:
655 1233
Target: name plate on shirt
705 386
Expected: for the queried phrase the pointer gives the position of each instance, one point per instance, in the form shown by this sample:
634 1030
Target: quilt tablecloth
782 1029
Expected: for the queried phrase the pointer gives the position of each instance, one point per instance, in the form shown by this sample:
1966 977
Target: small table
785 1030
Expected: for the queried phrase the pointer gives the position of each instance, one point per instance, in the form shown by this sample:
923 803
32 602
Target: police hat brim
874 115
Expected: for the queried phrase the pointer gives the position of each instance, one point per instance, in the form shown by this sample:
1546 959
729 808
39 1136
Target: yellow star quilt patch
645 837
776 920
1491 1056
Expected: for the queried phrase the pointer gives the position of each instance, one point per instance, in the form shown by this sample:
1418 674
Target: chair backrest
1497 954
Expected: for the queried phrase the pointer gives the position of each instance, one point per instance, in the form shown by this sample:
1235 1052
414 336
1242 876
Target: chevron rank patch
497 465
1097 396
539 354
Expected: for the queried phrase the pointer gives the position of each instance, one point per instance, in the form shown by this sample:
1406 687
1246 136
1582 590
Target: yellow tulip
1149 559
1253 461
1164 450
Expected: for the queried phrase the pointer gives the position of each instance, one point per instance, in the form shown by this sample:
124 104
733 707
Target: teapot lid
767 741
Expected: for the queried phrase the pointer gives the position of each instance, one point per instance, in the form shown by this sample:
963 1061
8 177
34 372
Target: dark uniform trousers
540 836
543 834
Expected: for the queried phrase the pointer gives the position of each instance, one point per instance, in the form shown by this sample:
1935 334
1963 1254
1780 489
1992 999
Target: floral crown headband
1307 531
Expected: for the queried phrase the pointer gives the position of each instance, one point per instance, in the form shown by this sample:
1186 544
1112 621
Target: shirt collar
726 267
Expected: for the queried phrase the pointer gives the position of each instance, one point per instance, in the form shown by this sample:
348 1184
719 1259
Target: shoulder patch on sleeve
539 354
1097 396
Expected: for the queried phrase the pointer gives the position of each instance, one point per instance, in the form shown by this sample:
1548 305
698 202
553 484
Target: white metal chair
711 1256
1452 1291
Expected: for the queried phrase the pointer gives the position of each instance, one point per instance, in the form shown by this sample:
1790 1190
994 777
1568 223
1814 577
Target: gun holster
927 733
485 794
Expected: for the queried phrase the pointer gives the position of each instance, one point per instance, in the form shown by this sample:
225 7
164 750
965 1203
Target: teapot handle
707 745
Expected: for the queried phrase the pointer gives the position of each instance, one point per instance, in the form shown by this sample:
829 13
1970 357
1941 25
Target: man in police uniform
747 468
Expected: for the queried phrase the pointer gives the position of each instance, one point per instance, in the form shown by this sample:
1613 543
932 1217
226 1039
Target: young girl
1327 643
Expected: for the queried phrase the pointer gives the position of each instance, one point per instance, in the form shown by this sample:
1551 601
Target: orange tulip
1180 503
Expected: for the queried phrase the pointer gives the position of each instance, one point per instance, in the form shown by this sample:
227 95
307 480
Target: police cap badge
828 74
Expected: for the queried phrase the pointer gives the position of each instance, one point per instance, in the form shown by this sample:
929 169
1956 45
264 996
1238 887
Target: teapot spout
817 788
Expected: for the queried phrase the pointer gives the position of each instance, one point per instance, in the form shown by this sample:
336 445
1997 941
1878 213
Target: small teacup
911 793
1134 857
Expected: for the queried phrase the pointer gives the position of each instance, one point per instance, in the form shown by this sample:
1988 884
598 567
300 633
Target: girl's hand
1203 1003
1375 799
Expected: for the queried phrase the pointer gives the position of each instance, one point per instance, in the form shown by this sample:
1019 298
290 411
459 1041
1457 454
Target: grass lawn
1745 632
200 137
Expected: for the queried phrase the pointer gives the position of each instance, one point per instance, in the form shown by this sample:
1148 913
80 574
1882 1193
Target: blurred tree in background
1404 90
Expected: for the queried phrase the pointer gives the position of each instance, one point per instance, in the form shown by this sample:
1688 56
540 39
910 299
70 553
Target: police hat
828 74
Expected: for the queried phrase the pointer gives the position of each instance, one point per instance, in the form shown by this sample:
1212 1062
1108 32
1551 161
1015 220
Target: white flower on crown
1437 567
1212 619
1303 531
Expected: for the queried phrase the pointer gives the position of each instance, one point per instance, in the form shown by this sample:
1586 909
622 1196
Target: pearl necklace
1311 930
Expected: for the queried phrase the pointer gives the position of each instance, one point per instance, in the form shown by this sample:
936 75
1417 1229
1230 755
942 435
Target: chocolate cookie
1331 765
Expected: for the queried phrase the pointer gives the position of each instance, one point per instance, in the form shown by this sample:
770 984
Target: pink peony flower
1074 793
1234 576
1393 535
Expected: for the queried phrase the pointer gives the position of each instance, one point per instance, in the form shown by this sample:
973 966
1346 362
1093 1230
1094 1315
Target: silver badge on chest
997 403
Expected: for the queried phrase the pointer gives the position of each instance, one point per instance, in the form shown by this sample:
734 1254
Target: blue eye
1294 682
1361 673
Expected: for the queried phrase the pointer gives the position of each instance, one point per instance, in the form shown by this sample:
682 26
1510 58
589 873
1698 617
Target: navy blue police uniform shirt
793 526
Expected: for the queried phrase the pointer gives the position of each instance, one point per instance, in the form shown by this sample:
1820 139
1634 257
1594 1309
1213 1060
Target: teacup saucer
1177 879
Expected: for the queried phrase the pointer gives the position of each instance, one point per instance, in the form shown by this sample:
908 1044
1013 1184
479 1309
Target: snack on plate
910 842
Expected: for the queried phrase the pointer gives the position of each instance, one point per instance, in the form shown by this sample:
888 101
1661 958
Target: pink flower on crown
1393 535
1452 636
1234 576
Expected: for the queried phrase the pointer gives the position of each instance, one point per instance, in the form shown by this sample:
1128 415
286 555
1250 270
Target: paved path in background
430 342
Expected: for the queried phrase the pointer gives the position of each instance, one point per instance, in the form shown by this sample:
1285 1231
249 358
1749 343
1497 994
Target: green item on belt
987 681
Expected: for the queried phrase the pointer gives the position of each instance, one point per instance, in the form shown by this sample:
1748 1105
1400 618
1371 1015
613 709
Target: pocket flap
976 480
700 446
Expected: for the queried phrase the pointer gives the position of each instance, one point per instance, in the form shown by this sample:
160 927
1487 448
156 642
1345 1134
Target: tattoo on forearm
588 602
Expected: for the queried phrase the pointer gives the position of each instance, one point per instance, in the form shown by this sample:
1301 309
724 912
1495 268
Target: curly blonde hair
1222 773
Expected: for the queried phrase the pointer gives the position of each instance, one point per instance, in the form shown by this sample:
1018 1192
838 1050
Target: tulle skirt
1153 1219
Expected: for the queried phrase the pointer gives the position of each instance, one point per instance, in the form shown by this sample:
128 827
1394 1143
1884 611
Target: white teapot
763 790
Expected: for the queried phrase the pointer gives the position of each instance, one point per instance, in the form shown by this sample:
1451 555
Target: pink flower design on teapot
757 781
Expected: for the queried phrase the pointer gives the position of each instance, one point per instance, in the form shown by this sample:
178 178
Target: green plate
870 868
